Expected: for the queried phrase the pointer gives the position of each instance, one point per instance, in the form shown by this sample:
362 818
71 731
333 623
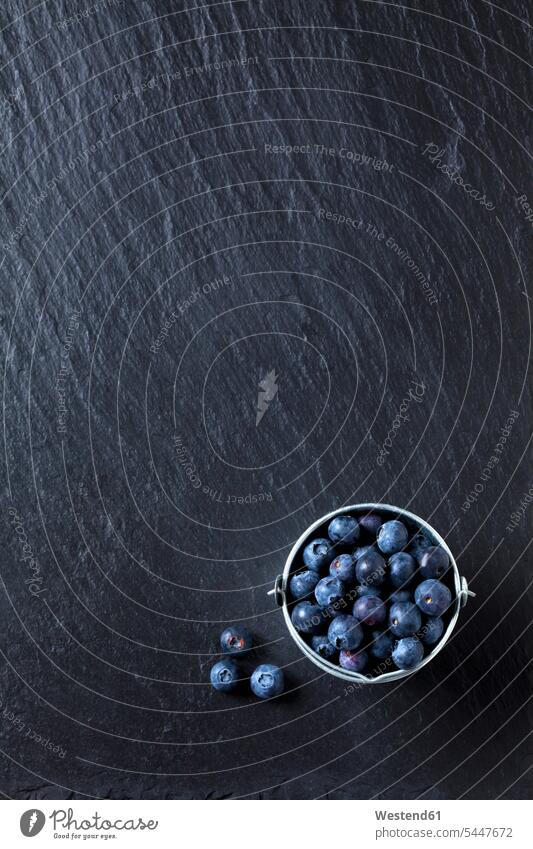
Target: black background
118 205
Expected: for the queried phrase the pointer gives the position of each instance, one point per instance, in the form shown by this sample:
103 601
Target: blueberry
318 554
307 617
434 562
267 681
343 530
431 631
368 590
362 550
402 567
354 661
432 597
392 537
224 675
345 632
401 595
407 653
404 619
329 591
371 523
303 583
323 647
235 639
370 569
343 568
381 645
419 544
370 610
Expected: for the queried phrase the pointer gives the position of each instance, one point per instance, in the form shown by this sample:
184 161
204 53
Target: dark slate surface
158 259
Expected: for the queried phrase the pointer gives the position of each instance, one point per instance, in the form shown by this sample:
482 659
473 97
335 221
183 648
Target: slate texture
191 198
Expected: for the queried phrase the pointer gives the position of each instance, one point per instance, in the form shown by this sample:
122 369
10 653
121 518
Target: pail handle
465 593
277 591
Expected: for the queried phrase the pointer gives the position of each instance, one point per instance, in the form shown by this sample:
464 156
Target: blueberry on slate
433 597
329 591
370 569
343 568
307 617
354 661
404 619
370 610
407 653
371 523
434 562
318 554
431 631
267 681
345 632
235 639
343 530
392 537
402 567
381 644
224 675
323 647
303 583
401 595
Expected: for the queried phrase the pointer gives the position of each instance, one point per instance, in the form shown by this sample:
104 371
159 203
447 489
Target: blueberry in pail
368 590
318 554
329 591
433 597
408 653
419 543
304 583
323 647
404 619
361 550
402 567
307 617
354 661
370 569
345 632
371 523
401 595
431 631
381 644
370 610
434 562
392 537
344 530
343 568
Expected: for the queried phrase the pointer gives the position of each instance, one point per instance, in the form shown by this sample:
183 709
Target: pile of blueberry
374 595
266 680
